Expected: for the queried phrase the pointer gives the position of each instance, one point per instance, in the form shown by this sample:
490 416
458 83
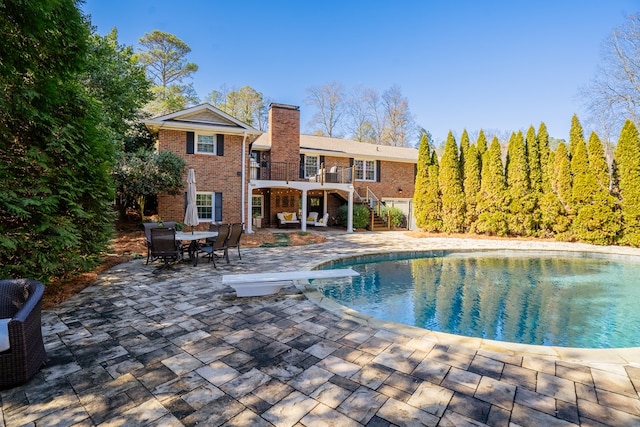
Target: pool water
585 300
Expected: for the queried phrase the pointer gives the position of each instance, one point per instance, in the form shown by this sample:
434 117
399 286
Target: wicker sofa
22 348
286 219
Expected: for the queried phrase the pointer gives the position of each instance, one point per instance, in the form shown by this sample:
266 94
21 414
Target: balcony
284 171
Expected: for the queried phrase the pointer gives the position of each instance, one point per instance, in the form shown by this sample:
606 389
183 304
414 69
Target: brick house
245 173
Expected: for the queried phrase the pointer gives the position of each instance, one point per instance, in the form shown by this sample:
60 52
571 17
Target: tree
464 146
423 195
596 219
55 156
576 134
627 182
399 123
481 143
115 79
561 183
471 185
450 183
614 93
245 104
359 120
492 201
164 58
149 172
522 203
329 102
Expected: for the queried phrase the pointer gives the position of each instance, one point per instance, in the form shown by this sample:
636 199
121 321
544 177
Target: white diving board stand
260 284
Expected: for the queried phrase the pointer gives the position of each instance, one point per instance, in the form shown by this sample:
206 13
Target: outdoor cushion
4 335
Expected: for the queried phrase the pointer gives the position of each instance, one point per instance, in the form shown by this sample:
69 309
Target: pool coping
588 356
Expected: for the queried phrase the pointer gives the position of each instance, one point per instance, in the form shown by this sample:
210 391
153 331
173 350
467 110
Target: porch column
303 220
350 211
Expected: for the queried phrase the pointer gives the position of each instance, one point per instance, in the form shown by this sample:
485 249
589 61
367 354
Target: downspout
244 183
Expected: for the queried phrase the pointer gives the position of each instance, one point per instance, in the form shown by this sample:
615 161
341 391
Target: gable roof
326 146
203 117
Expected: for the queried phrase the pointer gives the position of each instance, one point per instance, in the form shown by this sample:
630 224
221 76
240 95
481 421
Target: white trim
196 143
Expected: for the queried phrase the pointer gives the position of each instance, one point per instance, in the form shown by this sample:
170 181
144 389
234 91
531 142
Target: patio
178 348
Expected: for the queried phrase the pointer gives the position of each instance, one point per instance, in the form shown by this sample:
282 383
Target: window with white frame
205 202
206 143
365 170
311 166
257 206
209 206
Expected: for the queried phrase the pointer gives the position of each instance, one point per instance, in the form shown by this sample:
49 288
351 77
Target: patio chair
219 244
234 237
21 345
147 233
164 245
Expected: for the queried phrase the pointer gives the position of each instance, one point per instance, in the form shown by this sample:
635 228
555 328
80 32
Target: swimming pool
569 299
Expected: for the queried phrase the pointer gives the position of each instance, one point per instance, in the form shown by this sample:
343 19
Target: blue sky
493 65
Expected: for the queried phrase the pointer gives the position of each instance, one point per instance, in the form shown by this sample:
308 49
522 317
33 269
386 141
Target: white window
365 170
209 206
206 143
311 166
204 201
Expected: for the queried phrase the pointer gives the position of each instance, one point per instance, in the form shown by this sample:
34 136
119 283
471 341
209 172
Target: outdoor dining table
193 238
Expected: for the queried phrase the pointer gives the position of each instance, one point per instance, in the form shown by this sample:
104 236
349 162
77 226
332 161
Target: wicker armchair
21 302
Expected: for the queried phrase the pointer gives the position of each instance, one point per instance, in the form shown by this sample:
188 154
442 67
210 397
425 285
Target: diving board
259 284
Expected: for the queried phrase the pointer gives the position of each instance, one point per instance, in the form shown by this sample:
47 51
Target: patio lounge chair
234 237
219 244
147 233
165 246
21 345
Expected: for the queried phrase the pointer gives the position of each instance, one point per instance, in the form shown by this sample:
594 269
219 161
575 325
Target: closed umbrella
191 215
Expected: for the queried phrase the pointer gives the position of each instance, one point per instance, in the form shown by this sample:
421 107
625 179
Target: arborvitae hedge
450 180
471 185
492 206
627 179
569 193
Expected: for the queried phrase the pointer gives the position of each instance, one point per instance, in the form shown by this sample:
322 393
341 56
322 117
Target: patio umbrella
191 214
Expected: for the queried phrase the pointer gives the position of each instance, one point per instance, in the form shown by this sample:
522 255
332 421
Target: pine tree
598 162
433 204
481 144
627 181
521 204
464 147
420 192
561 185
450 182
492 201
576 134
471 185
597 220
546 163
534 160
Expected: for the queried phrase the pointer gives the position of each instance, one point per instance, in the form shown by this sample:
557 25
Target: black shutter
220 145
217 215
351 162
378 171
302 166
190 138
322 162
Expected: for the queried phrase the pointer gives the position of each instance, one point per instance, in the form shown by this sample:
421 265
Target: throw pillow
4 335
288 216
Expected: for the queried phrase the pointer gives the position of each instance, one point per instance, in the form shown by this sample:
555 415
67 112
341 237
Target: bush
398 218
360 216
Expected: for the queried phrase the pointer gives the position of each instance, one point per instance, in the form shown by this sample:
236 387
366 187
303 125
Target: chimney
284 133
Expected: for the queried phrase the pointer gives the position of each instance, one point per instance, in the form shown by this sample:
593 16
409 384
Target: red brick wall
213 174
